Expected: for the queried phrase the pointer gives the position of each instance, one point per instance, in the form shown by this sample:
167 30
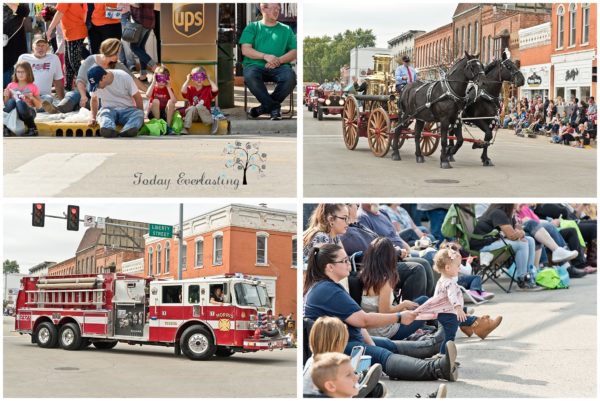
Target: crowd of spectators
572 122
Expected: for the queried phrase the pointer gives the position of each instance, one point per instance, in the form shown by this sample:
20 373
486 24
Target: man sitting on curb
47 71
121 102
268 47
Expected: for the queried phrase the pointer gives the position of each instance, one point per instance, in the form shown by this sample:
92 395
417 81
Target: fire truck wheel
46 335
69 337
197 343
105 344
224 352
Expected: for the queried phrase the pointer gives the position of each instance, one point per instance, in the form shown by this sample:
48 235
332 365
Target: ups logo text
188 19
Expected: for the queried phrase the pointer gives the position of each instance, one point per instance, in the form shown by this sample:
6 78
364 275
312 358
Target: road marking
50 174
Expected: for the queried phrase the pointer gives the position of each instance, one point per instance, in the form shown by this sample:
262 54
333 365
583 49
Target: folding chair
463 220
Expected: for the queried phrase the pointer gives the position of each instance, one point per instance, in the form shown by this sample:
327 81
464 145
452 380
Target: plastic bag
177 122
14 123
154 127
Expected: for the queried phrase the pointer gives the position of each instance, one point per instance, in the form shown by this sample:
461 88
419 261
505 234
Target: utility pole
180 236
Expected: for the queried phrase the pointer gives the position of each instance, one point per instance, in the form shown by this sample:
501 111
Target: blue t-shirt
327 298
381 225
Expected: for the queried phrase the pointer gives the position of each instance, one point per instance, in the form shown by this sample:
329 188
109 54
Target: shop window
572 23
150 251
560 26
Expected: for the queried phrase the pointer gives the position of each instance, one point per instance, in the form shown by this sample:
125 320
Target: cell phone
357 352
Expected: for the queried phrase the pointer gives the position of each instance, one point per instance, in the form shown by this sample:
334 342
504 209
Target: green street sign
160 230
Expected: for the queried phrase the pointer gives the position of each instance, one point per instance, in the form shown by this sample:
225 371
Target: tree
323 56
246 157
10 266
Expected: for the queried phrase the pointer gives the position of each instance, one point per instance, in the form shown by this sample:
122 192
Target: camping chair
462 221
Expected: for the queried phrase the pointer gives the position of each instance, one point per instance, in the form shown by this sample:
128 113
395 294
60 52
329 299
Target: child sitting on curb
161 97
448 303
199 90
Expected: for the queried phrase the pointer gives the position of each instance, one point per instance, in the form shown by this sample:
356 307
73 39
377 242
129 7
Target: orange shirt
99 14
73 20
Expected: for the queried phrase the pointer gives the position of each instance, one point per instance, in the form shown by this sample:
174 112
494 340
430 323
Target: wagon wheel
429 144
378 132
350 122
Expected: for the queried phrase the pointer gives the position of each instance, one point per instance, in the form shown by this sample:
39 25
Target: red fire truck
74 311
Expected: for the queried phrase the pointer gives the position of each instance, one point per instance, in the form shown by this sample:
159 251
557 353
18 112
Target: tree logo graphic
245 157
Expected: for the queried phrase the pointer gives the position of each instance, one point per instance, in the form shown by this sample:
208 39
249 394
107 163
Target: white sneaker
561 255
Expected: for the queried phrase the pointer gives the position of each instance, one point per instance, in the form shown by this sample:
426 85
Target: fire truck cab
78 310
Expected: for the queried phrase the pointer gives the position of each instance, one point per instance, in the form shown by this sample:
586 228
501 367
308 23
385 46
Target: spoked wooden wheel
350 122
429 143
378 132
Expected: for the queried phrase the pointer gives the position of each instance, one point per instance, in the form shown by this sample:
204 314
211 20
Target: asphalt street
187 166
545 347
140 372
523 167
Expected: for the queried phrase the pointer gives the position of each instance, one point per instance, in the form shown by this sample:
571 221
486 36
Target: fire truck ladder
67 292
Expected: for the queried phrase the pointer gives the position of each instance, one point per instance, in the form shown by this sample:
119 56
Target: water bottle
532 273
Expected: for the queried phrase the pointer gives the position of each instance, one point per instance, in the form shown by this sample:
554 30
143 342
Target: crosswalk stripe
52 173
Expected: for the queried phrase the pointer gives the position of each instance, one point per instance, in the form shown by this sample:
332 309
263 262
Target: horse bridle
512 72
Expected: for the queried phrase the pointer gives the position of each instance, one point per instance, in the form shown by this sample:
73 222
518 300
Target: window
167 256
585 23
158 259
194 294
462 40
294 252
149 261
483 54
218 248
476 38
261 248
199 252
184 256
469 39
572 23
92 267
456 41
171 294
490 49
560 26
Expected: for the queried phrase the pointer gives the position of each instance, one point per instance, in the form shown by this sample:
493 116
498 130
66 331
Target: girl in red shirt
161 96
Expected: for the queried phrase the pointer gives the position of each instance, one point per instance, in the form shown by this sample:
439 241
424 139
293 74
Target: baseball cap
38 38
95 75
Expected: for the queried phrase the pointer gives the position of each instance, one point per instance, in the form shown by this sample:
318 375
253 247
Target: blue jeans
470 282
130 118
25 113
379 353
524 252
139 49
436 218
71 102
406 330
450 323
284 78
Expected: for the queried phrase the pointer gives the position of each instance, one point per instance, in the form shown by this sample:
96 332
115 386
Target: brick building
535 47
403 45
257 241
432 51
93 256
574 53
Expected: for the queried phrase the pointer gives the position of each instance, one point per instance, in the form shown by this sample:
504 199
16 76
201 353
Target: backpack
553 278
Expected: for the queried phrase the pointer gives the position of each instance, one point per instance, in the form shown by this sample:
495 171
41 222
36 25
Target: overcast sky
386 18
30 245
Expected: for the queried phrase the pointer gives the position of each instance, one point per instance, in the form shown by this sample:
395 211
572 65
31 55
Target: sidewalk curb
241 127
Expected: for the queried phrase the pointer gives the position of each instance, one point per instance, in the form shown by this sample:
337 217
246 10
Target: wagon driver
405 74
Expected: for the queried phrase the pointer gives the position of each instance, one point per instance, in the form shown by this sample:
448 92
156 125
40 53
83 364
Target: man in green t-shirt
269 47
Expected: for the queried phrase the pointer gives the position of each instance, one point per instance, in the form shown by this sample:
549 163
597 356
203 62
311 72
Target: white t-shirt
45 70
118 95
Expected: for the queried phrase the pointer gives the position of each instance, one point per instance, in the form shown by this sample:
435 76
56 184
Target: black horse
484 102
440 101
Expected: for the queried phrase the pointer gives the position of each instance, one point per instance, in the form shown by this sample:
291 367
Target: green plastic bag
548 278
154 127
177 123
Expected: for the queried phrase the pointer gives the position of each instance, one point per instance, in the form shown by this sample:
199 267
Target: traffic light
73 218
38 214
